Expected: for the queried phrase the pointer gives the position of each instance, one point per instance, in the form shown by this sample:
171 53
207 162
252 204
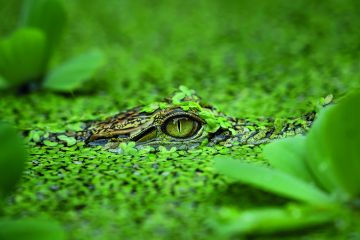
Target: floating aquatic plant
26 53
12 163
320 171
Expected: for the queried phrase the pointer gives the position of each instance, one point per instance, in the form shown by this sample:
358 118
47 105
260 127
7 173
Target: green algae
265 59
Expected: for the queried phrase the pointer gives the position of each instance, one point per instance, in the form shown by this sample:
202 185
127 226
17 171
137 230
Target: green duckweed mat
249 58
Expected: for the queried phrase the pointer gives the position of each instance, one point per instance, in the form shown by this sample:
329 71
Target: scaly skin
149 125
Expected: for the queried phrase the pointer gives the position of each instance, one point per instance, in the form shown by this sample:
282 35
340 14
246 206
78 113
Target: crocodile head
184 122
180 121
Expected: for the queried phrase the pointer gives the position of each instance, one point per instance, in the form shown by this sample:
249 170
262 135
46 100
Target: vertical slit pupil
179 125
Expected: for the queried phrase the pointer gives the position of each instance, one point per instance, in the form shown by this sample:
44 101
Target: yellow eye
181 127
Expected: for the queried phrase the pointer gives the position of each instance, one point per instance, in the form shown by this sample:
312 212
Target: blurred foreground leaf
328 157
3 83
30 229
47 15
333 147
71 74
12 159
22 56
271 180
271 220
288 155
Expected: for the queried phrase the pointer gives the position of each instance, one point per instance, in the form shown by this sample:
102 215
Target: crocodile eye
181 127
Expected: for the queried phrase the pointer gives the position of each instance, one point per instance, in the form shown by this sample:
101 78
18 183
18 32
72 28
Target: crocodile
185 122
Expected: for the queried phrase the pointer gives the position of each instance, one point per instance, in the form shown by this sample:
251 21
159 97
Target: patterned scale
171 126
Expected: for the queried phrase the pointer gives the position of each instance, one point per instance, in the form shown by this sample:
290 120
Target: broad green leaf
3 83
12 159
288 155
271 180
30 229
272 220
47 15
317 156
22 56
333 146
72 74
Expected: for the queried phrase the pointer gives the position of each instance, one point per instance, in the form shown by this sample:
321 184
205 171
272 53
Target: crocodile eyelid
143 134
177 114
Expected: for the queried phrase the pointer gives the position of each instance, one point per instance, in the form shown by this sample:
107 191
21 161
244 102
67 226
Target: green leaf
12 159
35 135
77 126
288 155
213 122
22 56
3 83
50 143
154 106
72 74
47 15
188 92
333 147
128 148
317 160
178 97
272 220
271 180
70 141
30 229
